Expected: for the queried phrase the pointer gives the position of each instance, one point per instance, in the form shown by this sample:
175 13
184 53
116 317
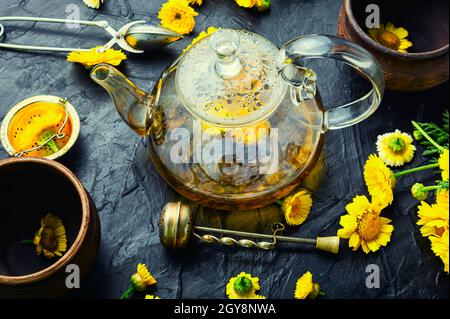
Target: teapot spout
131 102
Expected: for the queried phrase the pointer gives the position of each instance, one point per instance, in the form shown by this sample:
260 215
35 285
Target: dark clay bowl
426 63
29 189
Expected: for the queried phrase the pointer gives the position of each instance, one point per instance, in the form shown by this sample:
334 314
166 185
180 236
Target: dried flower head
297 207
246 3
396 148
142 278
380 181
178 16
51 237
391 37
434 218
96 56
95 4
364 227
306 288
243 286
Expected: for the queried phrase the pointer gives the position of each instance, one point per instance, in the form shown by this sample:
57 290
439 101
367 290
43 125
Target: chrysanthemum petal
444 164
354 241
357 206
401 33
373 245
364 247
405 44
387 229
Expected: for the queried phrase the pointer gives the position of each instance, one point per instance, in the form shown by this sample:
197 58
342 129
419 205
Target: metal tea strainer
70 116
134 37
177 227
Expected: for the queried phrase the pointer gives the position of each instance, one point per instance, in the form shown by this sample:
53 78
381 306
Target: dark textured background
107 159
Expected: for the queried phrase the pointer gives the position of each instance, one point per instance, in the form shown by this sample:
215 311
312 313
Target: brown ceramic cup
426 63
29 189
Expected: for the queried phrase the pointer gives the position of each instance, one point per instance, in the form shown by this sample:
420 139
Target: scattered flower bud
418 192
417 135
262 5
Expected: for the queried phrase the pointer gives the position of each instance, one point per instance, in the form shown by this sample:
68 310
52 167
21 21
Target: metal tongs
134 37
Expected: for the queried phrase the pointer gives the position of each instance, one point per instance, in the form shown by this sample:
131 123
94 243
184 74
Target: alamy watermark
373 277
73 277
373 19
73 13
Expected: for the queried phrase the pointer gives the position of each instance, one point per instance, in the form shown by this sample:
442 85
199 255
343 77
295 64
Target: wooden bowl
30 188
426 63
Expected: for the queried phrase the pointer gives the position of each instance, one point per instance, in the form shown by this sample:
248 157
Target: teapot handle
321 46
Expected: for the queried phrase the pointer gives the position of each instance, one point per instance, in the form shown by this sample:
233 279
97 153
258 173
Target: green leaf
438 133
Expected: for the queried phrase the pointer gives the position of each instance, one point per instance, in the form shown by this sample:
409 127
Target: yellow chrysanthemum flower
380 181
297 207
151 297
433 219
195 2
396 148
201 36
364 226
439 245
442 199
51 237
96 56
178 16
391 37
243 286
142 278
95 4
444 164
246 3
306 288
139 281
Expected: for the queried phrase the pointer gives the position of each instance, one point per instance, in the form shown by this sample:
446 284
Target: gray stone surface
107 160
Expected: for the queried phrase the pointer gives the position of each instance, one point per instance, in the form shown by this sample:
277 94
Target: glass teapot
236 123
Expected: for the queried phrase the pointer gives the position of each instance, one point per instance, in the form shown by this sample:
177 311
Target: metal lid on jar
230 79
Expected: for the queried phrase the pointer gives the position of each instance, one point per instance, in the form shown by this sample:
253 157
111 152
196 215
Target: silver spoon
134 37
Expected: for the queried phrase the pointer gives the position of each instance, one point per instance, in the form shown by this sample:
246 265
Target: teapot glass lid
230 78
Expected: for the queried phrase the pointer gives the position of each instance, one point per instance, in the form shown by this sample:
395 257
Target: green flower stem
428 137
322 293
430 188
53 146
127 293
280 202
27 242
416 169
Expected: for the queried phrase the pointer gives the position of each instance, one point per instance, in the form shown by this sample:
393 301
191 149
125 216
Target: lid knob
225 43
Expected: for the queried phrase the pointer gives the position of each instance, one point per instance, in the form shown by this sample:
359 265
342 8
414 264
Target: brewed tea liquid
34 124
